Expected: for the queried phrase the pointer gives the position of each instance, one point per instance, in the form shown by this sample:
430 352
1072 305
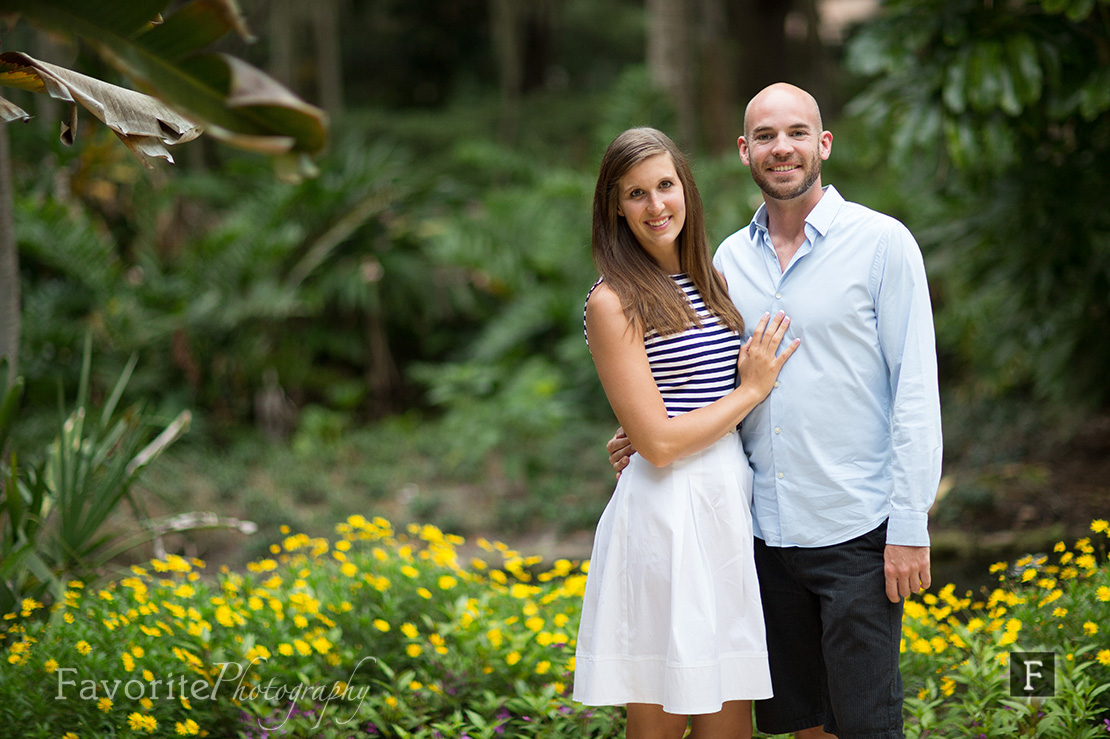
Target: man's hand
907 570
620 451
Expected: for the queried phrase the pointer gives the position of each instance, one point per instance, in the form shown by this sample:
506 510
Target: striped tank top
696 367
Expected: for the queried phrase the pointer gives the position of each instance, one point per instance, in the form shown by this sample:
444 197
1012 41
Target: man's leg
817 732
792 617
862 633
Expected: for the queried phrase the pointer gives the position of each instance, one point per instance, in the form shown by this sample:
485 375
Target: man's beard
813 171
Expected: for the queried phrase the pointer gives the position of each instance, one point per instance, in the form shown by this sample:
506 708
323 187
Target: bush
418 634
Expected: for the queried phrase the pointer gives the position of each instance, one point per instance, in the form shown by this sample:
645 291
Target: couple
838 458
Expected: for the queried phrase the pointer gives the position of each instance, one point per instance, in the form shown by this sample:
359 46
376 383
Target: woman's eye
666 184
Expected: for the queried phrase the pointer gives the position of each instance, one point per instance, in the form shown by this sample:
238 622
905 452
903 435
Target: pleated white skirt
671 613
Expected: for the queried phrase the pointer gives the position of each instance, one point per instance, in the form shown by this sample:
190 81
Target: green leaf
1080 9
1025 68
955 83
238 103
983 79
1008 97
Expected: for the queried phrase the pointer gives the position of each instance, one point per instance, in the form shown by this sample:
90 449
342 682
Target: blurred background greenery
401 335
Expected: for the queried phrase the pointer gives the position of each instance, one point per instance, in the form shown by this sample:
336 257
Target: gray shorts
833 639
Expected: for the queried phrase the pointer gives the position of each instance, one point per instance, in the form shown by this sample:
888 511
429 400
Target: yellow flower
381 625
321 645
534 624
189 728
513 657
104 704
495 637
1100 525
543 667
29 605
128 661
51 666
285 650
446 582
349 569
414 650
409 630
70 735
947 686
416 685
302 647
424 593
1090 628
137 651
1103 657
409 571
1060 612
1103 593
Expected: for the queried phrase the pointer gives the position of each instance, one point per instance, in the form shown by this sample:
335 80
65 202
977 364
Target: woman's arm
618 350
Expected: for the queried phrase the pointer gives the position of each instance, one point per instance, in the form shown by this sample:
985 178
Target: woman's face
650 198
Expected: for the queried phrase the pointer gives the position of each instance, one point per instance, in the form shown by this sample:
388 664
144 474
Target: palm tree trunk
9 263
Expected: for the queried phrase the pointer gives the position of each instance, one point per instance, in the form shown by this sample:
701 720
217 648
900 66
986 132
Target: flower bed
391 634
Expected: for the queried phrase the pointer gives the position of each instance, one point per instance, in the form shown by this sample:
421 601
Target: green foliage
55 508
1001 110
418 633
171 59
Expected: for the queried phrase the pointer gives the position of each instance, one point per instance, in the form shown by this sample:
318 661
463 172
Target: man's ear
742 145
826 144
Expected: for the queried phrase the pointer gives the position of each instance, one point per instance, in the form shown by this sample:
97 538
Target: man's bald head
781 92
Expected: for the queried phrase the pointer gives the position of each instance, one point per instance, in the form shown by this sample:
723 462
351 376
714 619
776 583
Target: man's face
784 145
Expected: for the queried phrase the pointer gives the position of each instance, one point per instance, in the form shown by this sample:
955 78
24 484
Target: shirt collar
820 218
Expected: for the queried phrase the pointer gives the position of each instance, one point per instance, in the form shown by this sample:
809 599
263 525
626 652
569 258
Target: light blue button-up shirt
851 434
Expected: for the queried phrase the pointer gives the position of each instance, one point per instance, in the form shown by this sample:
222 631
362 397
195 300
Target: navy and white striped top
696 367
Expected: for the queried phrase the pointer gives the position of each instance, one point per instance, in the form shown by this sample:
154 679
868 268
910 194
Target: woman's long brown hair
648 295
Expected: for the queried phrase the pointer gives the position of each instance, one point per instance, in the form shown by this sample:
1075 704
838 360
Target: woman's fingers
780 360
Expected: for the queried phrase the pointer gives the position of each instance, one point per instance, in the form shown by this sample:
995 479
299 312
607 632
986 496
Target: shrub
419 634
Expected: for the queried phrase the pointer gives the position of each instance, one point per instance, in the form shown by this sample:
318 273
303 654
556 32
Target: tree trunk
282 34
668 61
761 30
9 263
717 65
329 62
505 22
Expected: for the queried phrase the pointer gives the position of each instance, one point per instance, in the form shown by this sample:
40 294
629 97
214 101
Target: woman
671 621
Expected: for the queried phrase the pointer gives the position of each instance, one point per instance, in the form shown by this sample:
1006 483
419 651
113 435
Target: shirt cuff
908 529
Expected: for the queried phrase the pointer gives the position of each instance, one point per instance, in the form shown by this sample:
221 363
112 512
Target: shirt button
780 475
776 383
778 430
778 295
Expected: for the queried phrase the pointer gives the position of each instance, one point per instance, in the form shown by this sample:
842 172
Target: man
846 450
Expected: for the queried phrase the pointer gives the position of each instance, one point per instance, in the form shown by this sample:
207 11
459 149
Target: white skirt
671 613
